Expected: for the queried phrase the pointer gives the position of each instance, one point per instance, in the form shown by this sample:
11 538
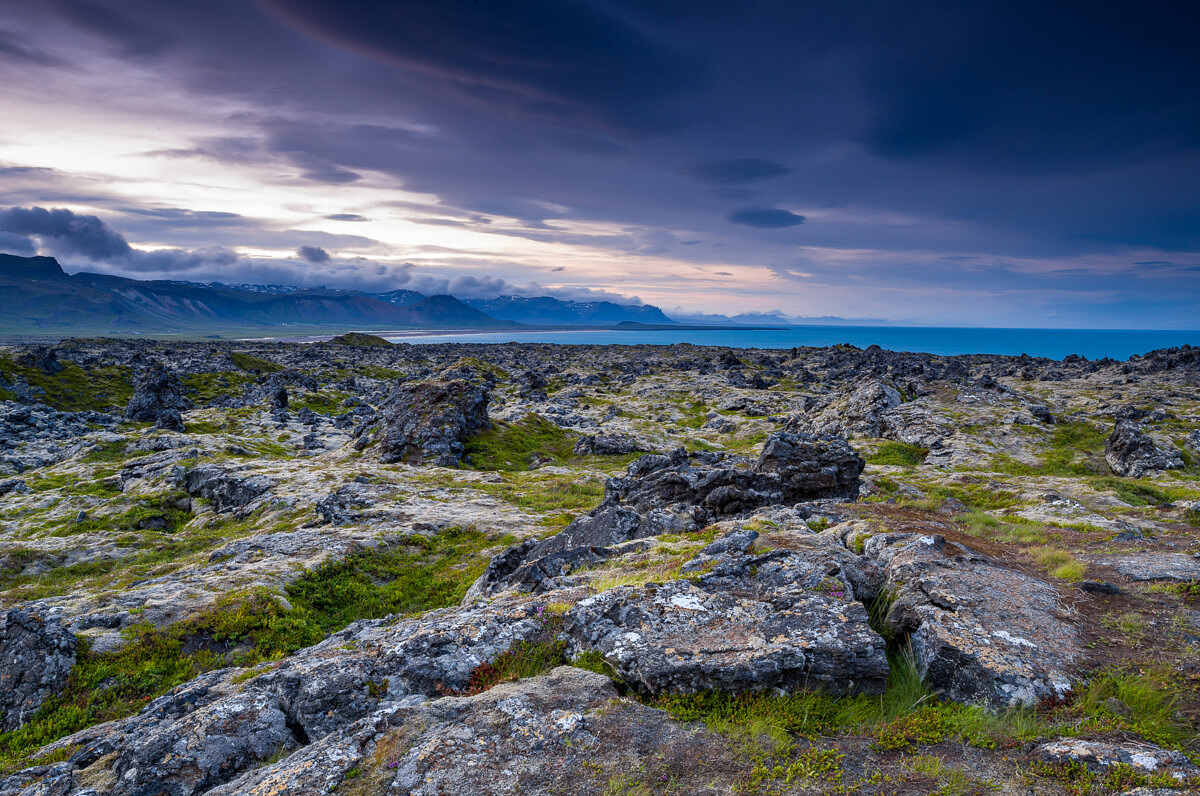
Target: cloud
12 243
134 38
313 254
66 232
765 217
735 171
12 46
347 217
577 63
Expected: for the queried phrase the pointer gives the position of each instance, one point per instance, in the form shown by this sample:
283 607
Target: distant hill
400 298
548 311
39 297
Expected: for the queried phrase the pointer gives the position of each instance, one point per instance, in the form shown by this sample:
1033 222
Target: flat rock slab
980 632
784 619
1099 756
1179 567
563 732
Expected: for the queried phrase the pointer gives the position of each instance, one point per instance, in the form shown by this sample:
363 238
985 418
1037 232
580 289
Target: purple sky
1008 164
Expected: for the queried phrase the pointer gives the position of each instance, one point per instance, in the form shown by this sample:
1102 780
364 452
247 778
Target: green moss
516 446
325 402
361 340
546 493
204 388
417 574
898 453
978 497
245 628
1146 702
73 389
1073 449
253 364
1141 493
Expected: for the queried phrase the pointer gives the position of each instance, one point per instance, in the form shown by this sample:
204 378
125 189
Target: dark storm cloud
12 243
66 231
538 58
735 171
988 129
313 254
1036 85
765 217
12 47
133 37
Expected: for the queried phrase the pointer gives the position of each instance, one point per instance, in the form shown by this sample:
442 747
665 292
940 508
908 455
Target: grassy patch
516 446
1073 449
246 628
253 364
1143 702
898 453
361 340
416 574
535 491
977 497
1059 563
1140 493
73 389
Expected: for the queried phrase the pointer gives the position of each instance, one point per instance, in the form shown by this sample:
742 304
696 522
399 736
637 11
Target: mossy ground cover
897 453
204 388
245 628
1072 449
72 389
516 446
253 364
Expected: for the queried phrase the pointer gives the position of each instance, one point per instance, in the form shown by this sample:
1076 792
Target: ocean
1052 343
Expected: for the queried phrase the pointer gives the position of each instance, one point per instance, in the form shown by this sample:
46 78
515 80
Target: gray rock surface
157 392
36 656
1178 567
563 732
785 620
226 491
979 632
1099 756
1130 452
427 422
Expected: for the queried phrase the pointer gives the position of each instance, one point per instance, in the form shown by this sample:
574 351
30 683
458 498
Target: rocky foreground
365 568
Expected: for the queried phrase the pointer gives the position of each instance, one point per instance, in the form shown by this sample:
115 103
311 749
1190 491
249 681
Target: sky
983 163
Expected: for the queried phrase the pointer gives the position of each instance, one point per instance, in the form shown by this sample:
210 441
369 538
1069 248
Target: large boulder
219 725
784 619
680 492
979 632
563 732
427 422
1131 452
225 490
155 392
36 656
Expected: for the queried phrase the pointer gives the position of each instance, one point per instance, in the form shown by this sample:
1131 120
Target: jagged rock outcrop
427 422
563 732
784 619
979 632
678 492
36 435
1131 452
1099 756
609 445
212 729
36 655
873 408
155 392
225 490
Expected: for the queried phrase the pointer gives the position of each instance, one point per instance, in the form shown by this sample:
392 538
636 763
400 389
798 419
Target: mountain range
39 297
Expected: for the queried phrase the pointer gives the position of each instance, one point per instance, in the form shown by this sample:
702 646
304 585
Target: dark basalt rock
679 492
155 392
1130 452
427 422
36 655
608 445
226 491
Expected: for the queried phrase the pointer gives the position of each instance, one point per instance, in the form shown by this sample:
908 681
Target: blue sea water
1052 343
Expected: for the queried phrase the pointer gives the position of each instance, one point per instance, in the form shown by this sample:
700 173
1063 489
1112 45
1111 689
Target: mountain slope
40 297
549 311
